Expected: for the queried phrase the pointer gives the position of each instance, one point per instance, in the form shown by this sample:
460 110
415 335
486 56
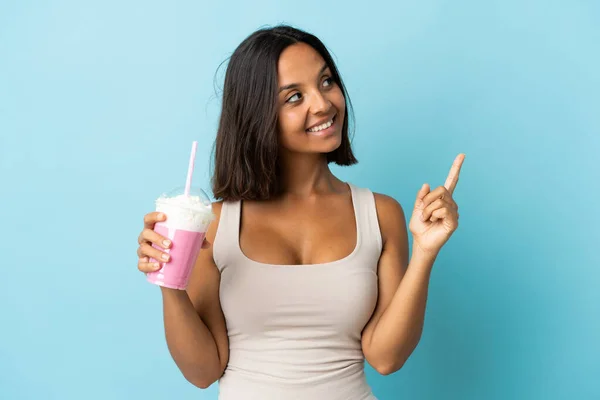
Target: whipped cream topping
185 212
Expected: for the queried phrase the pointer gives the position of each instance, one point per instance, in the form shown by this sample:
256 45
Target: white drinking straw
188 182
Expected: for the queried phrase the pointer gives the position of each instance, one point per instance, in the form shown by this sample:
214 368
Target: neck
307 175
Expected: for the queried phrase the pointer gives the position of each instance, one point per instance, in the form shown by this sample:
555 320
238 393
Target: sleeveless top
295 330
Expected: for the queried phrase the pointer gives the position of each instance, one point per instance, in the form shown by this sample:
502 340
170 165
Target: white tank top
295 331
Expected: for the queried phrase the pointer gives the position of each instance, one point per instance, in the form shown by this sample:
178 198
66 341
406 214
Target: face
311 105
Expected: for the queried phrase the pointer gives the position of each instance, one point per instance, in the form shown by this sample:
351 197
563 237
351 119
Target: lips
322 125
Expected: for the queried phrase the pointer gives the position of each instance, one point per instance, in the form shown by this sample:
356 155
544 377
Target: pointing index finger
452 179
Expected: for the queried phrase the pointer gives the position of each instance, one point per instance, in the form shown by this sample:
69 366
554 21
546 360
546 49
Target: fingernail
161 216
156 266
166 243
165 257
144 259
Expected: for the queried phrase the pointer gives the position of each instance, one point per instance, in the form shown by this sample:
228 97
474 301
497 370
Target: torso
296 292
299 231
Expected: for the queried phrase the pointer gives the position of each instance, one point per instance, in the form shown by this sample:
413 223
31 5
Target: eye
291 98
328 82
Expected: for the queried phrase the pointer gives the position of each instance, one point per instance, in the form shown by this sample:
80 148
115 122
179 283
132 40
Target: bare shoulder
387 204
205 272
217 206
212 229
390 215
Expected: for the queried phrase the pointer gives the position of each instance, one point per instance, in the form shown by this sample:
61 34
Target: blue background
99 104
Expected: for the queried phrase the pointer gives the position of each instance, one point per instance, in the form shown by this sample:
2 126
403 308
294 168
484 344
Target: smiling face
311 104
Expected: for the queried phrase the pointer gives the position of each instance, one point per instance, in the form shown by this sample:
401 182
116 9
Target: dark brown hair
246 163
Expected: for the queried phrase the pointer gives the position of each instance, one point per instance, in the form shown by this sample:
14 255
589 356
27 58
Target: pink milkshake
188 218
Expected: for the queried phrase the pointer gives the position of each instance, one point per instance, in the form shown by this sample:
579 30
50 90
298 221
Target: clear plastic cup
188 219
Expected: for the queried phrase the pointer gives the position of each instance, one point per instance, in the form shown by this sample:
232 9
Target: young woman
307 275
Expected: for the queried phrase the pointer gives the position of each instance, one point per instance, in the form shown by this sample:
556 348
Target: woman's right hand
148 237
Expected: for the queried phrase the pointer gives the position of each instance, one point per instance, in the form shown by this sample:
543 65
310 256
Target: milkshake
188 218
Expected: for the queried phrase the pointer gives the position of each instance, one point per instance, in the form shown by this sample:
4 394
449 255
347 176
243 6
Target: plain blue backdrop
99 104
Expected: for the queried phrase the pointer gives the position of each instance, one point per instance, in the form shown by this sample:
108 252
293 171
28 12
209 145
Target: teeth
321 127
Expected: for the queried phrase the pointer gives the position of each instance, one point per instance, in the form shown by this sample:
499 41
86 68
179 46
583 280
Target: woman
307 275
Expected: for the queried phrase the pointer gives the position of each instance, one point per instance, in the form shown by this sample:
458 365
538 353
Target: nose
319 103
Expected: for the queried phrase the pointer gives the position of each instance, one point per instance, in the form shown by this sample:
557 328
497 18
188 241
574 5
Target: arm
397 322
395 328
195 327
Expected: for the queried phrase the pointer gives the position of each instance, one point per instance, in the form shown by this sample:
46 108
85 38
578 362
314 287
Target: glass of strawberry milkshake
189 214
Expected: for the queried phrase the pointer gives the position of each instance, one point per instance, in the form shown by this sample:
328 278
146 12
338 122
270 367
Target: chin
333 145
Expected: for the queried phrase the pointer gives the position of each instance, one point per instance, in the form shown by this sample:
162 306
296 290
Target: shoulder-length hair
246 152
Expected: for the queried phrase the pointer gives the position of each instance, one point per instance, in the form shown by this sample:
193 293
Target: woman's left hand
435 216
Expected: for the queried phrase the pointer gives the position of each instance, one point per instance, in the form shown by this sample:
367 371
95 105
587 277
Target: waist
346 382
301 362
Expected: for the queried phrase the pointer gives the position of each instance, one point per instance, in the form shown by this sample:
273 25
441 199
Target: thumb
421 195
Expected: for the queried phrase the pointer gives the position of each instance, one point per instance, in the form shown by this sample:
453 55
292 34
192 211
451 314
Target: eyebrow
294 85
